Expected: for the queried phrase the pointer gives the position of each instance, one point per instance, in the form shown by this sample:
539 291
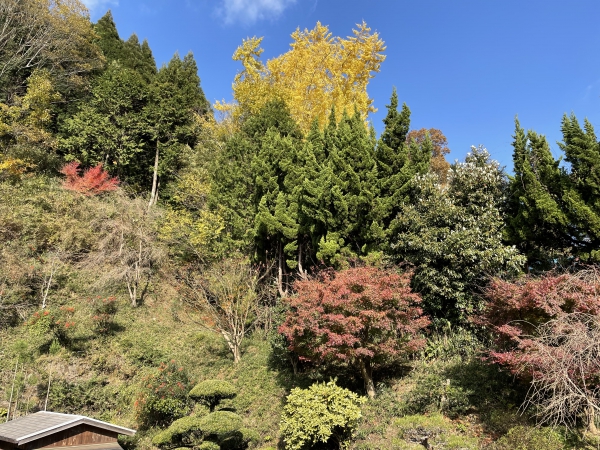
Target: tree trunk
153 193
234 347
367 374
280 262
591 423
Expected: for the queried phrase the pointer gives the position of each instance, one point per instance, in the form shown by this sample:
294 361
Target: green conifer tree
582 190
536 220
110 43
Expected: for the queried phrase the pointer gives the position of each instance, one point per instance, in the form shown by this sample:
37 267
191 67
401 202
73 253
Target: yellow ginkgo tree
319 72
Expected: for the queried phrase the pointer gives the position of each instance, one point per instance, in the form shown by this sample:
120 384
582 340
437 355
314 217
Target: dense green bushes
324 412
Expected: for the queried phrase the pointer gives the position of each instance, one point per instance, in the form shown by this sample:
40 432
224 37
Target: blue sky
466 67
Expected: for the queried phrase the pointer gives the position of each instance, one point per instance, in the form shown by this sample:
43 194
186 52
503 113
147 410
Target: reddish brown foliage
93 181
515 311
359 315
439 164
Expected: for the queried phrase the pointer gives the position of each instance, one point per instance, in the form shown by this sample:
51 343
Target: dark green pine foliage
536 220
111 128
139 57
345 191
253 189
397 163
175 96
110 43
130 53
277 170
314 186
582 190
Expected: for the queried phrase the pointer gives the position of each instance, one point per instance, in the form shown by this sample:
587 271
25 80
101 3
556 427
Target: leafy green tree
112 128
537 222
453 235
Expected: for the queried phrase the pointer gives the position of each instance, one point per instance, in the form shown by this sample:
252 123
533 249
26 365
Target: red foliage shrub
548 332
515 311
93 181
362 316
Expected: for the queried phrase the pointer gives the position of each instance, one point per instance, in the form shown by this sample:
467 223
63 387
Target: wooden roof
44 423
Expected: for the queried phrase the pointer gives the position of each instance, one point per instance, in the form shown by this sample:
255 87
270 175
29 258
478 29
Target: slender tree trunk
153 193
301 270
234 347
367 374
591 423
280 262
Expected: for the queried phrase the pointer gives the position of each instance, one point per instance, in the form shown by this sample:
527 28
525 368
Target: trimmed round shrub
211 392
321 413
208 445
220 423
186 430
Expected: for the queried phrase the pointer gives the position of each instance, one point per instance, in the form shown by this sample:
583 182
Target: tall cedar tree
239 190
582 190
175 97
398 162
277 171
363 317
536 220
130 53
111 128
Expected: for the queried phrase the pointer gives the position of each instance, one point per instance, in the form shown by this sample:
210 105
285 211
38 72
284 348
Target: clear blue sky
466 67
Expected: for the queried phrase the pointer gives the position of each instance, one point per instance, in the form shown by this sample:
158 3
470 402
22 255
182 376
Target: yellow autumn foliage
25 121
190 223
319 72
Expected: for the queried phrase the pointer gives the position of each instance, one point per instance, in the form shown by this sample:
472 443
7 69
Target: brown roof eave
66 426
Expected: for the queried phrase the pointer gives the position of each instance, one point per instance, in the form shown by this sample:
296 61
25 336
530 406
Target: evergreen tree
453 236
110 43
536 220
111 128
397 164
582 190
249 175
139 57
175 96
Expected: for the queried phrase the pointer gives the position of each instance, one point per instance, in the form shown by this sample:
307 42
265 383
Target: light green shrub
220 423
183 431
211 392
530 438
318 414
208 445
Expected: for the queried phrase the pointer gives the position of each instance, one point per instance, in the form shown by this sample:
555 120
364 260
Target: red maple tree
94 181
548 333
362 316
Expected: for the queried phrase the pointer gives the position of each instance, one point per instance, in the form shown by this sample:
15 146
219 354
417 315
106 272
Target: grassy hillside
89 351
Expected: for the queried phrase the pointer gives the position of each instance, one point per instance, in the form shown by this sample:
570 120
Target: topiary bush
211 392
208 445
220 423
184 431
322 413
